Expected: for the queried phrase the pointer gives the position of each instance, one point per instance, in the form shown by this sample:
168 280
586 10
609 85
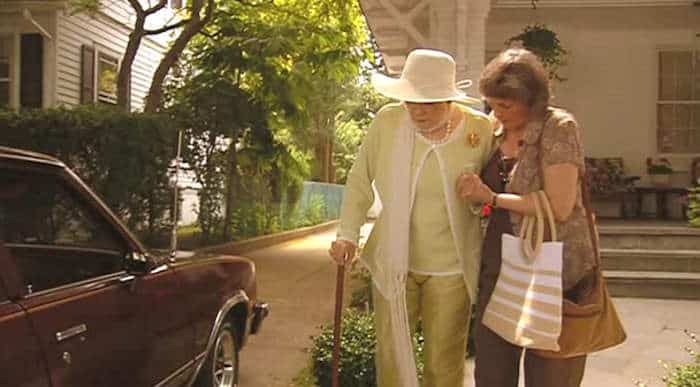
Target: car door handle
71 332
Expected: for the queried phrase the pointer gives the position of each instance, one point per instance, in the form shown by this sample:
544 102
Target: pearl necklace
448 131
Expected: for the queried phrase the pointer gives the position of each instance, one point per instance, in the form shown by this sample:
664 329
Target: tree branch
161 4
167 28
137 7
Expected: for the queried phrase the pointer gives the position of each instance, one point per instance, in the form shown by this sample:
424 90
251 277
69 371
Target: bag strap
531 249
586 198
541 202
550 215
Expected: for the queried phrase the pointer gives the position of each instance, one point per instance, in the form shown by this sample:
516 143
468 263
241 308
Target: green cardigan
373 165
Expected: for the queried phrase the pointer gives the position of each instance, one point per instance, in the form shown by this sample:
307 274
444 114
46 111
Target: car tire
220 369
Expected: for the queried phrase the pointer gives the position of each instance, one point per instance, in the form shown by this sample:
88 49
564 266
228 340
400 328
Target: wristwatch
493 202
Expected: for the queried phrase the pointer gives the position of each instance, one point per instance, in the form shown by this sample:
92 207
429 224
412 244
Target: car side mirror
136 263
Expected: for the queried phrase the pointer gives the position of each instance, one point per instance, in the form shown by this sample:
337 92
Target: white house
633 70
50 56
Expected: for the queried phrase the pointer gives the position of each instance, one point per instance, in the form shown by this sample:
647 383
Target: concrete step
649 237
679 261
653 284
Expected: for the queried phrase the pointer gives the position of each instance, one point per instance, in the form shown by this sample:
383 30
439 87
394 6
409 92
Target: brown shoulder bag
591 324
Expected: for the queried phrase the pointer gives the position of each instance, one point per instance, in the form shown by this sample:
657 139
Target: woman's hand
343 251
471 188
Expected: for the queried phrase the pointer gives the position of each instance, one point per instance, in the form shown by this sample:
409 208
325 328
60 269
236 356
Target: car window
55 237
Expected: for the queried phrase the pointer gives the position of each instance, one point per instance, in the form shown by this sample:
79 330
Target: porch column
471 34
442 26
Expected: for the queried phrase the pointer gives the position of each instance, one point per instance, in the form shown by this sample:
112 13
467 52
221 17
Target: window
5 70
55 237
98 77
107 70
678 106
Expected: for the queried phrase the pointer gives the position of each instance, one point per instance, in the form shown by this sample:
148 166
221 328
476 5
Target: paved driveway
297 279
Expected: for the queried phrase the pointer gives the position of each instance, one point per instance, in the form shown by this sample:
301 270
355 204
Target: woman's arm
560 185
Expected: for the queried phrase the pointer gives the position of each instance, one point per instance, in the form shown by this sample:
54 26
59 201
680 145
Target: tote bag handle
531 249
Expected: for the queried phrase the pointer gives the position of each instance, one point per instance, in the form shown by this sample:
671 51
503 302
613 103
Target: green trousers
442 305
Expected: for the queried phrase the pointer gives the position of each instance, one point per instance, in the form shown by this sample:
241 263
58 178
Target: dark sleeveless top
494 175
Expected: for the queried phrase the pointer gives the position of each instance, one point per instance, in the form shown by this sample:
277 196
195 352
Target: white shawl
394 265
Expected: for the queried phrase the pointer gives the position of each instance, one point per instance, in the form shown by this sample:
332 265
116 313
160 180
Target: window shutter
31 71
87 75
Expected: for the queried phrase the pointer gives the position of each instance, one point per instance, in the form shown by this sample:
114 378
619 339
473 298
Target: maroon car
83 303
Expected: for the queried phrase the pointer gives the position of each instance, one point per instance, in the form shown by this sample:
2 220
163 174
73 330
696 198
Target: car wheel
221 366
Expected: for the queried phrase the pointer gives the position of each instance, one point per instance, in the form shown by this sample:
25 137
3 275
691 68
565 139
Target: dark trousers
497 363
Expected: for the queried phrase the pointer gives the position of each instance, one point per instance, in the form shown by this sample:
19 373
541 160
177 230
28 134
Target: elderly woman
423 253
538 148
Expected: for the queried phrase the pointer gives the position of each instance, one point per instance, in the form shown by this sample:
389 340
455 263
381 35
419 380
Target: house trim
591 3
43 6
18 6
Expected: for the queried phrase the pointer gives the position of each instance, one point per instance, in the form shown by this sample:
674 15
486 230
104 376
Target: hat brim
402 90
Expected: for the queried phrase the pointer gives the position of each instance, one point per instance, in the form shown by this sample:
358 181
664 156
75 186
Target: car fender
239 299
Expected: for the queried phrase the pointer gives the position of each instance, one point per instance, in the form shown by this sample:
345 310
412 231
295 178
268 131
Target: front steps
651 262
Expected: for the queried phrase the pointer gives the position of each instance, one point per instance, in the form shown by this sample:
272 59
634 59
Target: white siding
14 24
122 13
108 36
612 70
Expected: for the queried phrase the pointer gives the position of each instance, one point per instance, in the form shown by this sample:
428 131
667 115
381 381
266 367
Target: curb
244 246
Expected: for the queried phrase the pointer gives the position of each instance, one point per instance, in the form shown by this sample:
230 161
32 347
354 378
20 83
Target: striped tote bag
525 308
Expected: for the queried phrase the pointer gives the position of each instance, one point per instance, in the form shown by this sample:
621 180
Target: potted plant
659 171
544 43
692 204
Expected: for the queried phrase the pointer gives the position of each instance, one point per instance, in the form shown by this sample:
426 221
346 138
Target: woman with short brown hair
538 147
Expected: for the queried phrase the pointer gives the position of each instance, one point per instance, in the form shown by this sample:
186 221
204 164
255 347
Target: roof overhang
19 6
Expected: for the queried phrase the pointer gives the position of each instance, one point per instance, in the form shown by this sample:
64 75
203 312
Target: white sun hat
428 76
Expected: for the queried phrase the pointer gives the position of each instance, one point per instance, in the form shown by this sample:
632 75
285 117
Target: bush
684 375
252 219
694 205
358 342
123 156
315 211
687 375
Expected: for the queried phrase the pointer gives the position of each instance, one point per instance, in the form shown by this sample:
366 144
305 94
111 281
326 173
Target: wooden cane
339 285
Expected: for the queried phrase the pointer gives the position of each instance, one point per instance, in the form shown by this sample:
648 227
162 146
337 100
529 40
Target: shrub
694 205
358 342
313 212
123 156
252 219
684 375
687 375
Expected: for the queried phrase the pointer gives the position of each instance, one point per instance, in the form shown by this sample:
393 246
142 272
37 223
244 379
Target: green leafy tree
351 127
302 57
270 77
